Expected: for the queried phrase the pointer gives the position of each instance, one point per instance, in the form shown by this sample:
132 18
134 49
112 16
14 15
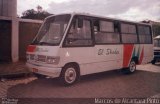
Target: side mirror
80 23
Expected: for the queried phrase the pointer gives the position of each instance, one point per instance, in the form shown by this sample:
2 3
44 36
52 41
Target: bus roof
157 37
97 16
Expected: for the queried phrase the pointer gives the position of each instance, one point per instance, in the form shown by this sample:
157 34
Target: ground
144 83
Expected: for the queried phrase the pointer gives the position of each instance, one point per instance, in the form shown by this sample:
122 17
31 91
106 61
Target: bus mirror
80 23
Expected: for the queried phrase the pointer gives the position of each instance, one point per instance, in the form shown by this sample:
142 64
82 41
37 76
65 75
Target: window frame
73 20
129 23
92 19
107 20
150 30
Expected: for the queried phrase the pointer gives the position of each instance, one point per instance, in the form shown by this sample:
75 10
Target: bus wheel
153 61
131 68
69 74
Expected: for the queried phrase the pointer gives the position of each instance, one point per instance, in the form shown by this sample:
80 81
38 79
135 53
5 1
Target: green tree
40 14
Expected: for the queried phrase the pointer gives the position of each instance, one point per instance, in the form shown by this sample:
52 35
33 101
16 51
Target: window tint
127 28
104 32
128 32
106 26
79 36
144 34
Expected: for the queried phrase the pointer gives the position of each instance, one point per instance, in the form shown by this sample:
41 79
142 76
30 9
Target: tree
40 14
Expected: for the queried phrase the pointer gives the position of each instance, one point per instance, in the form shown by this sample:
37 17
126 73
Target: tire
131 69
153 62
69 75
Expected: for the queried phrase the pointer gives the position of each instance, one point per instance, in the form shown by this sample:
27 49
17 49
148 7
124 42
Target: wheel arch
135 58
74 64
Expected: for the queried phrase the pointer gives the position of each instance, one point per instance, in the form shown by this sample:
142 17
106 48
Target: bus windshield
52 30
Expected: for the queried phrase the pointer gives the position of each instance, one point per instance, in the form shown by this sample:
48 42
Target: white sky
136 10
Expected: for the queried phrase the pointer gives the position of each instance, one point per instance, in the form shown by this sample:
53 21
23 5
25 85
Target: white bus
156 50
71 45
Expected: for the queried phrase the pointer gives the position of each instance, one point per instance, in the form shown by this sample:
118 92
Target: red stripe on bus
141 56
31 48
127 54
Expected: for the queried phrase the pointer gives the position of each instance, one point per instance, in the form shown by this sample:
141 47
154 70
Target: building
15 33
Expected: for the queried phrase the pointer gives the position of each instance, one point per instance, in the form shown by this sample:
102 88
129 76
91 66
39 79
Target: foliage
33 14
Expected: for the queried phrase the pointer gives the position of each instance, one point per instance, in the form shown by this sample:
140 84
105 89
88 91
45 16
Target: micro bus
75 44
156 50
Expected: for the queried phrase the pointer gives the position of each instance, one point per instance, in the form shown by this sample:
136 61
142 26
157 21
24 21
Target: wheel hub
132 66
70 75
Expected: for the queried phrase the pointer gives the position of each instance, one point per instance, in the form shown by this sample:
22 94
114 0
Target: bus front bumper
43 70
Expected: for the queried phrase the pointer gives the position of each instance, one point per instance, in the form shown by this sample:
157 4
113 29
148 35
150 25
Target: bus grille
40 58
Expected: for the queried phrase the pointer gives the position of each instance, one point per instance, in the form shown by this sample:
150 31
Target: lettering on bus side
108 51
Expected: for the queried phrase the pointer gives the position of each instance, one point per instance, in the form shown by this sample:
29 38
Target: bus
156 50
71 45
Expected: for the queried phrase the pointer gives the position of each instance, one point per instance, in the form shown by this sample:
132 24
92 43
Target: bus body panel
148 53
94 59
37 55
105 57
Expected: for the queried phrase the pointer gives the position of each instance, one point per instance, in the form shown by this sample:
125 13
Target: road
144 83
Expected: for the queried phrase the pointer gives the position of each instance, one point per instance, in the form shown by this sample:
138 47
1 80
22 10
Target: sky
135 10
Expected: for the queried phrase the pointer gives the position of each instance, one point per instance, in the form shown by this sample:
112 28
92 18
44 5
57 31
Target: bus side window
79 35
104 31
144 34
128 32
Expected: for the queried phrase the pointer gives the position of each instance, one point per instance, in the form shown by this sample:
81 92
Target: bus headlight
52 60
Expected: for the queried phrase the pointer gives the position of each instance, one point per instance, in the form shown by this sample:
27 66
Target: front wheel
69 75
131 69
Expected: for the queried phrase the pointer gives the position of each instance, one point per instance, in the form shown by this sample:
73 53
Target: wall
8 8
5 40
15 36
27 32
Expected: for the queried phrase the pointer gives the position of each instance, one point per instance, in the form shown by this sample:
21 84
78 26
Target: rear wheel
69 74
131 69
153 61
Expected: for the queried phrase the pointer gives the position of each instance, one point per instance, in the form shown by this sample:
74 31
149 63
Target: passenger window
79 36
105 32
144 34
129 34
106 26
